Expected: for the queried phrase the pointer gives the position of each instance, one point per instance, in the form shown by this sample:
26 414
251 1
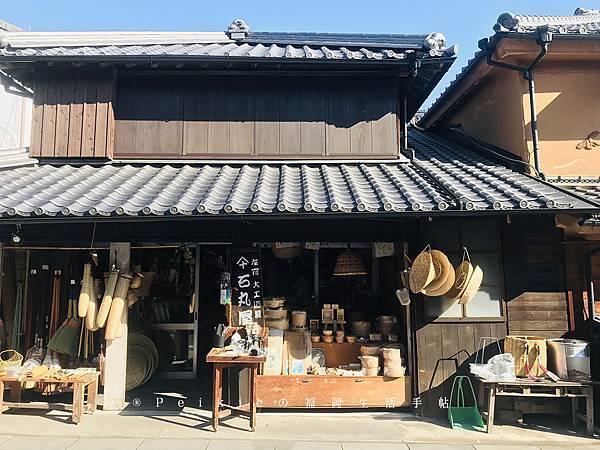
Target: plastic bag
499 368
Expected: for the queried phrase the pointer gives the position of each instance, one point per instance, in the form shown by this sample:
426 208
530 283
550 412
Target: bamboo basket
14 360
369 362
370 350
526 349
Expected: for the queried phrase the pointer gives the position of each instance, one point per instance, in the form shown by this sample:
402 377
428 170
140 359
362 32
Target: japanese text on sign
247 286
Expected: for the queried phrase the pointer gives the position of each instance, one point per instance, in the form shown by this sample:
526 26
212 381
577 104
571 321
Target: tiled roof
15 157
310 188
239 42
583 21
587 187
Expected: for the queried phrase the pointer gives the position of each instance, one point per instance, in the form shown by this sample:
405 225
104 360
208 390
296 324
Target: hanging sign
246 283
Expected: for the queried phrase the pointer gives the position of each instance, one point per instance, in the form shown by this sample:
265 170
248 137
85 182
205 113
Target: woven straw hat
463 275
422 271
441 265
473 286
444 288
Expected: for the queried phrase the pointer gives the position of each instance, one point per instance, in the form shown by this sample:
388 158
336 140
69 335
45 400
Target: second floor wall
105 114
495 108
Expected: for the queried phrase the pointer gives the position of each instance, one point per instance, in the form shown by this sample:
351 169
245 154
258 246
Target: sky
463 22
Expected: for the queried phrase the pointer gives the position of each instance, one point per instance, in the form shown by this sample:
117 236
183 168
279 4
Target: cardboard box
299 352
274 363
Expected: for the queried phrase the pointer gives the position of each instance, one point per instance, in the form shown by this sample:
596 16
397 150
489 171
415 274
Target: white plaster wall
15 120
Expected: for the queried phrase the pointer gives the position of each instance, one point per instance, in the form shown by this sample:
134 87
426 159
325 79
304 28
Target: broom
66 339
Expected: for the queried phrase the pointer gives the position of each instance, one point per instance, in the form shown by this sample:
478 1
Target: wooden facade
73 115
245 117
534 276
535 303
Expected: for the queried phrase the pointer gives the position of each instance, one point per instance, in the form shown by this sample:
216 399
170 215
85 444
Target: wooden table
548 389
79 383
221 362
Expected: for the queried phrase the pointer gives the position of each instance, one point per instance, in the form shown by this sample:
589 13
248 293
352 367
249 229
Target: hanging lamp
349 263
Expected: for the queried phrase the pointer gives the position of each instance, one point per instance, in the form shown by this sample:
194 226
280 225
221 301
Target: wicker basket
10 358
527 349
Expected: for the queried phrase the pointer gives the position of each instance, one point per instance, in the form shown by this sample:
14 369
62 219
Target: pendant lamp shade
348 263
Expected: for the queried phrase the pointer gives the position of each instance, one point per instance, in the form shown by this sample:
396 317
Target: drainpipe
414 70
544 37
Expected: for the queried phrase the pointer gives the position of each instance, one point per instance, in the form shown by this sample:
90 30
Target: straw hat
422 271
444 288
463 275
442 267
473 286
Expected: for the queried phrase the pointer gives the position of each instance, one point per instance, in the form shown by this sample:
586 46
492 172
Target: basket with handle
10 358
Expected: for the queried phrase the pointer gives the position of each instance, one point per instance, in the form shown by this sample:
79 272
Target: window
481 240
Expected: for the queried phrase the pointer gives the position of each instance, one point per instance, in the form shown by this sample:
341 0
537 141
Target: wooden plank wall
256 117
577 288
73 115
446 349
534 277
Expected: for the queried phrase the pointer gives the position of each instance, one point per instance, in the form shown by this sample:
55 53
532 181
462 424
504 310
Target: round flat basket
136 370
442 266
463 274
472 286
422 272
444 288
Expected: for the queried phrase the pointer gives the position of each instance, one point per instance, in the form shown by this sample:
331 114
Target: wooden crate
324 391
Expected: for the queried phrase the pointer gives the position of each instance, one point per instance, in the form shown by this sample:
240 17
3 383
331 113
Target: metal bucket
569 358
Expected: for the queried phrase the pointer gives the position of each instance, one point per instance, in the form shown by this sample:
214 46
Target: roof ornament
238 29
435 43
3 39
507 21
585 11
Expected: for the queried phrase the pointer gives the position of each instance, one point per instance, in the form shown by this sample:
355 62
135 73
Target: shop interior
329 308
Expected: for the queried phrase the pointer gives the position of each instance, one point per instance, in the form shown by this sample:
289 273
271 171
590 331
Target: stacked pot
276 317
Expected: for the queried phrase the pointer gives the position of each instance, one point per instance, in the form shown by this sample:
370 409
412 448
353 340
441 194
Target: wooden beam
116 350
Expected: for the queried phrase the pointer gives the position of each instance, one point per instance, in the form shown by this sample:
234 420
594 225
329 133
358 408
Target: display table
549 389
220 362
79 384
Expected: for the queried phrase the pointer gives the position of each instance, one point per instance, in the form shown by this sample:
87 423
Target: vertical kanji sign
247 287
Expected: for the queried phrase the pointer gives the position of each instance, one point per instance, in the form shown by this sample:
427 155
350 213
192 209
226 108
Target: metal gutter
219 162
406 215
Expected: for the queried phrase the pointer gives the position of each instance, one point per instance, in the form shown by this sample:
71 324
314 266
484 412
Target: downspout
544 37
414 70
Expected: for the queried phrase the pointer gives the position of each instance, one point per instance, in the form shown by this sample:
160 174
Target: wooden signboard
246 283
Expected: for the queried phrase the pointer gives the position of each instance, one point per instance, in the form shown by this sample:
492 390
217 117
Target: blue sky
463 22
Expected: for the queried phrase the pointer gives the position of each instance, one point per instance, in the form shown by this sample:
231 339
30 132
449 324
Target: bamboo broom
92 312
113 323
109 292
84 296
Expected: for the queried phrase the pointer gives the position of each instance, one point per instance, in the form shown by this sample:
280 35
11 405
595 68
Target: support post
116 350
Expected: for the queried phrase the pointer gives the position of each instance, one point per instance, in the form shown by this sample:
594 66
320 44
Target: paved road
72 443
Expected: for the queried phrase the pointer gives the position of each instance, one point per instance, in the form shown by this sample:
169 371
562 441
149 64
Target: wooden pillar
116 349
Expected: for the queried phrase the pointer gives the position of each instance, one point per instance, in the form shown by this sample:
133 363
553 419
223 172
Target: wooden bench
79 383
548 389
